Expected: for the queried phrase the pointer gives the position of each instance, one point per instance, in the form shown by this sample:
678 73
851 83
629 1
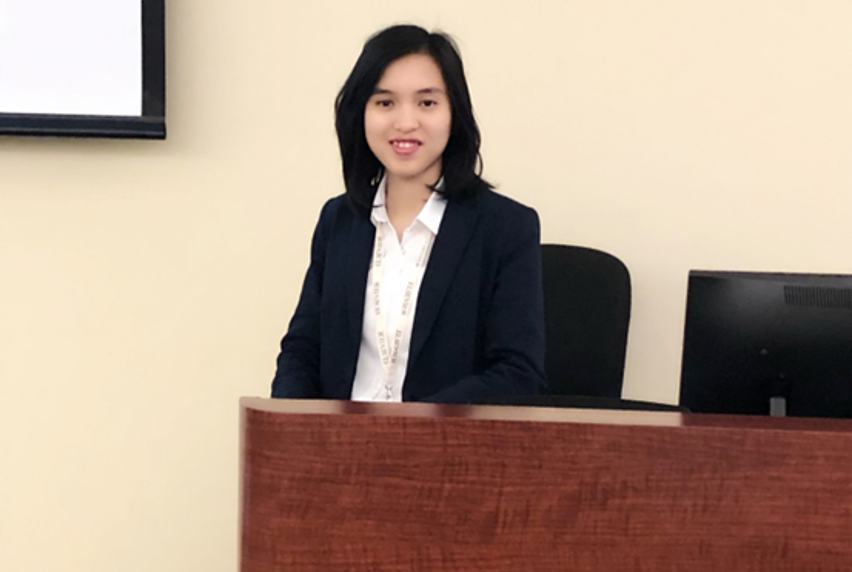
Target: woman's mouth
405 146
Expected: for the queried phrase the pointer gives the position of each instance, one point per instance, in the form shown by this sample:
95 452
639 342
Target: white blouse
392 286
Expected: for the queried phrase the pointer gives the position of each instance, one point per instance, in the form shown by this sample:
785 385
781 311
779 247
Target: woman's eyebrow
384 91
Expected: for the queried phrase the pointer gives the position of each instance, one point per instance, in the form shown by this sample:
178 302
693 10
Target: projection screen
90 68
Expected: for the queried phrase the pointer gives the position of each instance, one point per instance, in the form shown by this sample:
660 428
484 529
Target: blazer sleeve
514 335
297 374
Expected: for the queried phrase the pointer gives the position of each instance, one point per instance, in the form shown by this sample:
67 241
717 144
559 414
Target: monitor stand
778 406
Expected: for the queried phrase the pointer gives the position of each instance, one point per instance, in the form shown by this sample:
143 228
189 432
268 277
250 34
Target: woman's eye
428 103
384 102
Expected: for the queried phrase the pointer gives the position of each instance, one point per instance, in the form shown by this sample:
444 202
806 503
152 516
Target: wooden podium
333 486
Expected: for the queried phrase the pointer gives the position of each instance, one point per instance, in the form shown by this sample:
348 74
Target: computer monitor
768 343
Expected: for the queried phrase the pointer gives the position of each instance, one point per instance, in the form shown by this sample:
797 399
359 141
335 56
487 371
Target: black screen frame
754 341
150 125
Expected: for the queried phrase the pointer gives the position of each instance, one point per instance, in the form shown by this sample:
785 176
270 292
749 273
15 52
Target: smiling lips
405 146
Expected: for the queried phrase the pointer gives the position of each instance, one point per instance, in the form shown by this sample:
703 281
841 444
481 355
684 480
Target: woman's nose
406 118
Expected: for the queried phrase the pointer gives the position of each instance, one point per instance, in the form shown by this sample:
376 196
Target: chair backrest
587 315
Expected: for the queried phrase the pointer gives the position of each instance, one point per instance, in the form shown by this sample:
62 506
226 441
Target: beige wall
144 285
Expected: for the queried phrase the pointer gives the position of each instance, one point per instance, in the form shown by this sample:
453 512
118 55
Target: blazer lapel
450 244
360 250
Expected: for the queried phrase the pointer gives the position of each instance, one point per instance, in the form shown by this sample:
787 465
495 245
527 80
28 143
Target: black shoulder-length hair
461 161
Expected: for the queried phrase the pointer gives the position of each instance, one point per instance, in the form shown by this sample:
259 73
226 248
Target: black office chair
587 298
587 314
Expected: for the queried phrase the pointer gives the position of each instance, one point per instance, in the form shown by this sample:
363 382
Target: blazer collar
361 238
450 244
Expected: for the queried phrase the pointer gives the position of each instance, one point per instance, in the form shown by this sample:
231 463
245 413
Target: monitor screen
768 343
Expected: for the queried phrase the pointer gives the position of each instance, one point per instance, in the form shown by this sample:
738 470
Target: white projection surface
71 57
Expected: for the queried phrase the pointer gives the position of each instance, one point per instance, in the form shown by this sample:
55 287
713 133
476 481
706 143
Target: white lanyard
389 350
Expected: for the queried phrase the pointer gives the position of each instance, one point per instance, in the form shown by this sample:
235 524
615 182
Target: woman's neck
403 202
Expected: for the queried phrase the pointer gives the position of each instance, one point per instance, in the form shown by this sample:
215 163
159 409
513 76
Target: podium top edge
542 415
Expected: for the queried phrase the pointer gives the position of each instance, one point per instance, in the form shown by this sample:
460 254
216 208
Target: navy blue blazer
478 326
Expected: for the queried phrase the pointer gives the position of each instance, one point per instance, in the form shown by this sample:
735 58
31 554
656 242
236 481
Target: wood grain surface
330 486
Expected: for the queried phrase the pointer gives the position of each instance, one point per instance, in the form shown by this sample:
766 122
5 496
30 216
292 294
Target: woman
424 284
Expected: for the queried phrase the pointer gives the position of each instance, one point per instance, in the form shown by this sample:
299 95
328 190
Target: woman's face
407 120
